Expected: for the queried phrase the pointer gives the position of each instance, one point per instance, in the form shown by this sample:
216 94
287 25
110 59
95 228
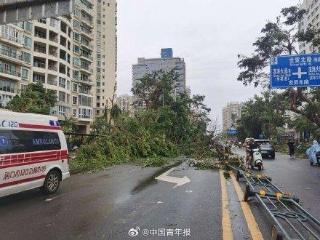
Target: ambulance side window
19 141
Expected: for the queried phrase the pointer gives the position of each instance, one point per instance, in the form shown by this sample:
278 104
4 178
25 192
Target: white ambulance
33 153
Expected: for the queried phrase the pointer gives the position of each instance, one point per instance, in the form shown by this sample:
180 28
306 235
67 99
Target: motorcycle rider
252 144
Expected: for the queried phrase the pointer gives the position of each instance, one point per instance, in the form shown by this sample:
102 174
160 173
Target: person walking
291 146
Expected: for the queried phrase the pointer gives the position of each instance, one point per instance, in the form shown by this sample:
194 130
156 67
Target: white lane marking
178 181
49 199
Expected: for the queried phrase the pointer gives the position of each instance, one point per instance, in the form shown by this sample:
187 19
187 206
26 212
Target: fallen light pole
290 220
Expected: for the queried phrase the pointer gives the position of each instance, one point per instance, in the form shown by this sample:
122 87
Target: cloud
207 33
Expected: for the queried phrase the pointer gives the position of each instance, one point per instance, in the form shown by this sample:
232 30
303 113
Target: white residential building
73 55
230 114
125 103
311 18
166 63
15 59
105 54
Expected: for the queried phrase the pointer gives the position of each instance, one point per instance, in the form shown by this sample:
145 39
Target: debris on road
290 220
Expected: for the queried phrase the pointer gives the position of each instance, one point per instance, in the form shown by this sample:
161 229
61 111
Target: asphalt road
107 204
296 176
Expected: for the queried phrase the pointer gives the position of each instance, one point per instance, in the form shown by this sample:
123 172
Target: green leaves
262 115
171 124
34 99
293 15
278 37
156 89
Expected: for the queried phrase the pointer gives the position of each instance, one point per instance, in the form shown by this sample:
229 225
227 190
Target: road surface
110 203
296 176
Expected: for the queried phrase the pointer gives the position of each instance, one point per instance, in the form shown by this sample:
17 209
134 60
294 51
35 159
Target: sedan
267 150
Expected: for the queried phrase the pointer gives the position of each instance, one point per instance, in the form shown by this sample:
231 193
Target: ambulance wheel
52 182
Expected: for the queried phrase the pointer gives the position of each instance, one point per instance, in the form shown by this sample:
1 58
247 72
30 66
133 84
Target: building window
26 57
62 82
75 87
25 74
85 101
27 42
7 86
74 100
62 96
10 69
85 113
39 62
39 78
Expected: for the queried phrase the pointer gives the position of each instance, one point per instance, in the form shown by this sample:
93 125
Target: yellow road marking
251 222
226 221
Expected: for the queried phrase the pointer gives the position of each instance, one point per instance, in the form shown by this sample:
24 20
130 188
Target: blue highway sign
232 131
295 71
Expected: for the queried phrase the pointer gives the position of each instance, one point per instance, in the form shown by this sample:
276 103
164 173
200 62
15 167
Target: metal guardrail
290 220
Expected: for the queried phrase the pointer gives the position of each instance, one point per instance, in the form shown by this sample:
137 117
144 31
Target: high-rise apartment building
125 103
73 55
230 114
15 59
310 19
166 63
106 54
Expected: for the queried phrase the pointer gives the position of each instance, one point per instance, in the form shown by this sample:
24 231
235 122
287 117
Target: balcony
85 113
11 73
53 51
40 33
87 19
40 48
87 57
87 45
14 55
86 82
85 4
39 78
86 69
87 33
39 62
52 80
52 67
53 37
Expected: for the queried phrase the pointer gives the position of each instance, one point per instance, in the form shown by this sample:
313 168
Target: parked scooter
256 162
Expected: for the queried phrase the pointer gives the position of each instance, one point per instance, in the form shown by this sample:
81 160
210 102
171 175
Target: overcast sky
208 34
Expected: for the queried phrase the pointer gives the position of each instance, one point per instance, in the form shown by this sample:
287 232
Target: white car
33 153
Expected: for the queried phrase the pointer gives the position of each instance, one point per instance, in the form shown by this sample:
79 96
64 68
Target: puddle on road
151 180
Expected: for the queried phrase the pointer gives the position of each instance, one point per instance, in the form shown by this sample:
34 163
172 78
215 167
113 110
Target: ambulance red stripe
14 160
21 181
35 126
